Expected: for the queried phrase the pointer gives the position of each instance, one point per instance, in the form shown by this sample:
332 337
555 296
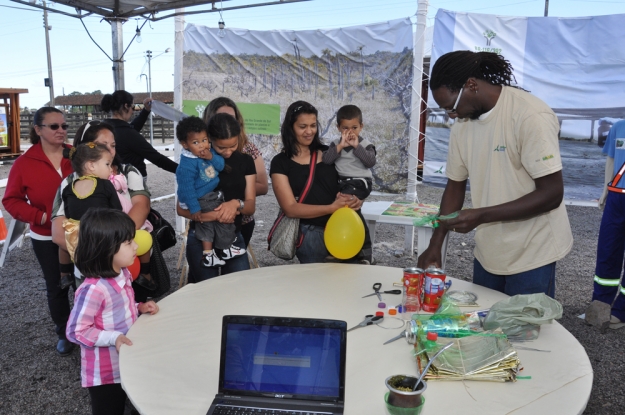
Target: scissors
369 319
376 289
399 336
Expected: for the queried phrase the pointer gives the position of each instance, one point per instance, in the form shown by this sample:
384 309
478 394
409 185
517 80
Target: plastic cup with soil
401 398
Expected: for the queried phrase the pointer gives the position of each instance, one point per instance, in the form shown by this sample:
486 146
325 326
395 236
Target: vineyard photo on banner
370 66
575 65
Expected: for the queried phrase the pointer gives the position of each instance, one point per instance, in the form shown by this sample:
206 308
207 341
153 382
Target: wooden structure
163 129
10 121
91 103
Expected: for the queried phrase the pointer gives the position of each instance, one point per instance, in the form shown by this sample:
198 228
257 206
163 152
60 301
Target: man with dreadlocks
506 141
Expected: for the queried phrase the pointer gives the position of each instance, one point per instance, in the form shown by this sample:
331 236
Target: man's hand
431 256
122 339
466 221
197 216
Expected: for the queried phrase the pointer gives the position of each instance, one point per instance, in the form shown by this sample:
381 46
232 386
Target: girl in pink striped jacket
104 304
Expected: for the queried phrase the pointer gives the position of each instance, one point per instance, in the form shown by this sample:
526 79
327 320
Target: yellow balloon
344 234
144 240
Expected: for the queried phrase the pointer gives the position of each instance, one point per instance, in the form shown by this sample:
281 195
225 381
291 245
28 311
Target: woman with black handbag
290 172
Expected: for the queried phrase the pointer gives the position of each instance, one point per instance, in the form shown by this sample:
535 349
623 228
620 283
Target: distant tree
96 92
71 94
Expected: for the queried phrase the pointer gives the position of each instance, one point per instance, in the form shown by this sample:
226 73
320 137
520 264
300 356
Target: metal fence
163 129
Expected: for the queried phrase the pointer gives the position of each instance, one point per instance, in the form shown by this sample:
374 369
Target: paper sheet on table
167 112
412 210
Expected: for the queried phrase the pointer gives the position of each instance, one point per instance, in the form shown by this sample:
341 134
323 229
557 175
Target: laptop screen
283 357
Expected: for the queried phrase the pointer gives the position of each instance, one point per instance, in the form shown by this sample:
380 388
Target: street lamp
149 56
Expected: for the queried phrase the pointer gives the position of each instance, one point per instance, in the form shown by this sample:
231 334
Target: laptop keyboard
242 410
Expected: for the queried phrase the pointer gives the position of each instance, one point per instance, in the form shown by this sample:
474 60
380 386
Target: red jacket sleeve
15 201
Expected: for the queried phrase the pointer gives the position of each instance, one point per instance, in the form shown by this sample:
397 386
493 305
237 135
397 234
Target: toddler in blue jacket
198 176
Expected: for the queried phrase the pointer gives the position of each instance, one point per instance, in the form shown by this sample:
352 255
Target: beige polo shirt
502 155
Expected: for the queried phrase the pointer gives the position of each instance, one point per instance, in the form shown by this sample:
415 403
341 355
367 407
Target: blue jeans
538 280
313 248
199 273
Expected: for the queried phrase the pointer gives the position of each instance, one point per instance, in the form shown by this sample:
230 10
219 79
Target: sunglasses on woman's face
55 127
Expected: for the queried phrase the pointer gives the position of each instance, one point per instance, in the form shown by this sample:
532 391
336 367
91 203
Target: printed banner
265 71
573 64
258 118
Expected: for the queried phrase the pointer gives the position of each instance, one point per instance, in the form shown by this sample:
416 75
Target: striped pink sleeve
88 305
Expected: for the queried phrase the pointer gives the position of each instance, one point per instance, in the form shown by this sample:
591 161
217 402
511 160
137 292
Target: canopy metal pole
178 55
117 31
415 114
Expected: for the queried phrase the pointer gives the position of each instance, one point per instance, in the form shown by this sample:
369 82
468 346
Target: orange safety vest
612 185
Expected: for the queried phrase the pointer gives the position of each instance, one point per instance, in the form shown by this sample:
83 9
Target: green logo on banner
259 118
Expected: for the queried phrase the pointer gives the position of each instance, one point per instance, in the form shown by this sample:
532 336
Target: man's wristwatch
241 204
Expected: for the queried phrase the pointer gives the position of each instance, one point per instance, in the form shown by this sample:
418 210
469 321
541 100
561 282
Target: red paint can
434 288
413 289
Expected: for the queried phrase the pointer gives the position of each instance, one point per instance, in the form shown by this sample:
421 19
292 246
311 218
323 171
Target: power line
18 8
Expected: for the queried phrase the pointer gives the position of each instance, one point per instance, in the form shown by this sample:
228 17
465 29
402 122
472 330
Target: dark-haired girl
289 173
131 145
100 132
237 182
32 184
104 305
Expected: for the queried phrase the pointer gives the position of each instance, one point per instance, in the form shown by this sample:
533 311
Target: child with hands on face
197 177
104 304
353 157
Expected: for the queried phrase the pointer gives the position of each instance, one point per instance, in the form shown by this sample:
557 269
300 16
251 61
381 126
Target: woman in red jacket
31 187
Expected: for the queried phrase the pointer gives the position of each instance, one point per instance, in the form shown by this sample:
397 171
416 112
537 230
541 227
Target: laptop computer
280 365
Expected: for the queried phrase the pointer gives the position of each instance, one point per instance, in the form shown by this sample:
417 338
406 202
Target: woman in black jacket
131 146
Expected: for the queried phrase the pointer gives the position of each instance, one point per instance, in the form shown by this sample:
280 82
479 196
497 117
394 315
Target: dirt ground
35 380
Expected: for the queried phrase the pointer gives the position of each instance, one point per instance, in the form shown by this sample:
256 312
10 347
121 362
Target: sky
79 65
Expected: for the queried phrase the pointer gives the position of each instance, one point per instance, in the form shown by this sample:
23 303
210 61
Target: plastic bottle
430 343
446 327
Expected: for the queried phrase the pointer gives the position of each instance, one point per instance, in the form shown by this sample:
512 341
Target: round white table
173 365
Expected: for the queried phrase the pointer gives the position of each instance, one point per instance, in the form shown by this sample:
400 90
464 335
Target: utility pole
149 55
546 8
48 28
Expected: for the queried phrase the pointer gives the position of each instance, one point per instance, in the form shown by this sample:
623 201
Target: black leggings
47 253
246 231
107 399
